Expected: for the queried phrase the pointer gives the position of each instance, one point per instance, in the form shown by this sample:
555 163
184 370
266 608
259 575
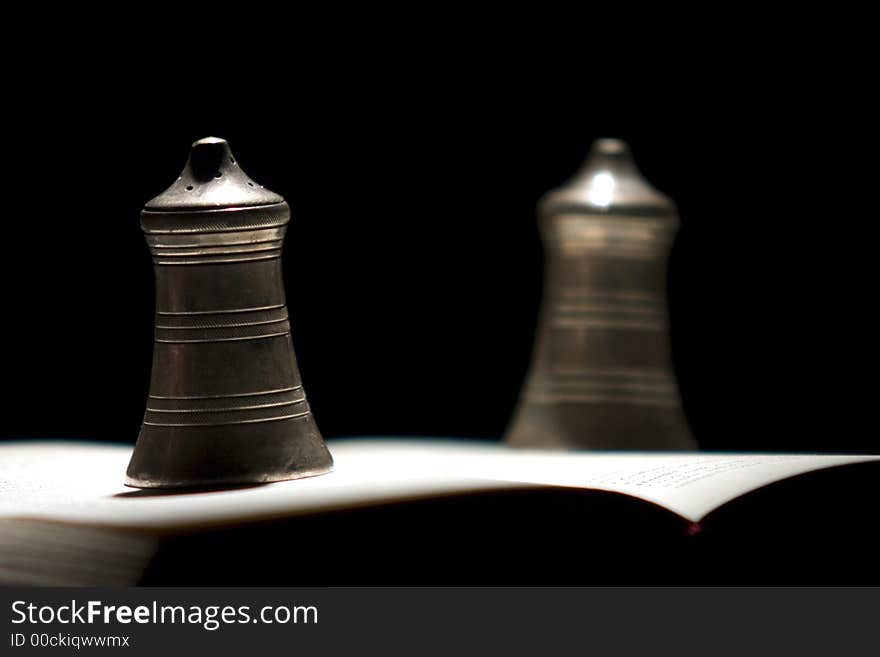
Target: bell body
226 403
601 375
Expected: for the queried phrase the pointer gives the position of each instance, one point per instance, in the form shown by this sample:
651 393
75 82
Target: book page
83 482
689 484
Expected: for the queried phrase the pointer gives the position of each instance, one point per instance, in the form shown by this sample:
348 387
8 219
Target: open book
66 517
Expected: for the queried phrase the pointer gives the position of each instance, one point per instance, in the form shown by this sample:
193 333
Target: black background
413 265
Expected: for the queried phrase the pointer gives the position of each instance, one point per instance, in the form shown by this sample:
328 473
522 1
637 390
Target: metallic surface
601 375
226 403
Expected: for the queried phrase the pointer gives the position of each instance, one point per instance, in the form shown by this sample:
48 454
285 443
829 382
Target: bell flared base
225 456
616 427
